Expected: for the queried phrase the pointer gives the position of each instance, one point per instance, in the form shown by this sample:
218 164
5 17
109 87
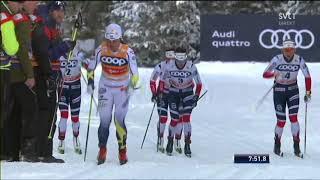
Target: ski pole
264 97
154 105
305 128
85 151
94 99
158 130
203 95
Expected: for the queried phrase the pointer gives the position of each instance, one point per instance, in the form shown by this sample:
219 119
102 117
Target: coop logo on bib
180 74
113 61
288 67
71 63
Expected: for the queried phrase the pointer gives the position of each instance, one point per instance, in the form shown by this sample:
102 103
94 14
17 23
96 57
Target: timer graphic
251 158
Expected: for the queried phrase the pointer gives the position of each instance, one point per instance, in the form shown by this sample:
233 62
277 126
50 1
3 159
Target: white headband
180 56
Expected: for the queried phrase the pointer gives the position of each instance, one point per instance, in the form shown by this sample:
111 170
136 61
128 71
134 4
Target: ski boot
277 145
169 146
187 150
76 145
61 147
160 145
123 159
102 155
177 146
296 148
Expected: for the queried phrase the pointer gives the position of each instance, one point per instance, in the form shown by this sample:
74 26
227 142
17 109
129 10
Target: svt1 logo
113 61
287 16
180 74
288 67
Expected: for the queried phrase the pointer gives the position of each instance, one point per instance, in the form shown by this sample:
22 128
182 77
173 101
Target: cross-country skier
119 71
284 68
182 75
71 96
163 104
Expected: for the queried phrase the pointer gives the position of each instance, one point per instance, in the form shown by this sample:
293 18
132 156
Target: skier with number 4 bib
284 68
182 76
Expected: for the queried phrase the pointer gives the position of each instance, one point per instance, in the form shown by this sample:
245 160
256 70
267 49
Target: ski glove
134 81
307 97
195 100
154 98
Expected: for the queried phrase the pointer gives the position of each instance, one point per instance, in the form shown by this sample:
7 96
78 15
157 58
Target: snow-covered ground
224 123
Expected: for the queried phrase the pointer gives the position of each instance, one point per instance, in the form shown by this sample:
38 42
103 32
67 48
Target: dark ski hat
56 5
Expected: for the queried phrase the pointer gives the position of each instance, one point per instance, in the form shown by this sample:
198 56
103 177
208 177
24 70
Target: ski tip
281 154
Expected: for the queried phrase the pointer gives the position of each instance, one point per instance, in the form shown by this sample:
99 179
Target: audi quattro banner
257 37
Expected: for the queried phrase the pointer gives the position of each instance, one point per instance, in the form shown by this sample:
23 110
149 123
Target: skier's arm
269 71
306 73
163 78
133 68
153 80
197 79
85 62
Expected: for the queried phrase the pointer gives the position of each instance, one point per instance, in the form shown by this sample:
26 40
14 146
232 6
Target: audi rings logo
304 38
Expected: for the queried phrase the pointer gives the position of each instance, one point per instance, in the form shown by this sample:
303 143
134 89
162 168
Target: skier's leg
105 112
279 99
105 106
75 102
163 114
174 102
293 106
121 101
186 118
186 114
64 102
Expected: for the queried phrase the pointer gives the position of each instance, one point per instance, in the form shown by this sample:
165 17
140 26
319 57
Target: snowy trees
152 26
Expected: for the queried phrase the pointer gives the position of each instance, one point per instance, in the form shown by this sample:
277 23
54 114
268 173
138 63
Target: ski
78 151
100 161
61 151
300 155
188 155
279 154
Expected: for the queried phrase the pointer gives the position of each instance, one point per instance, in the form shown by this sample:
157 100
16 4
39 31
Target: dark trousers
22 125
286 96
47 109
5 94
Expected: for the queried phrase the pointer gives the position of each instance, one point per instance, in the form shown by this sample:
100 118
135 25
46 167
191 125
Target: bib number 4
287 75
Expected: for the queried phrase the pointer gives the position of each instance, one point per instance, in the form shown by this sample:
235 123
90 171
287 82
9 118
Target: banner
257 37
